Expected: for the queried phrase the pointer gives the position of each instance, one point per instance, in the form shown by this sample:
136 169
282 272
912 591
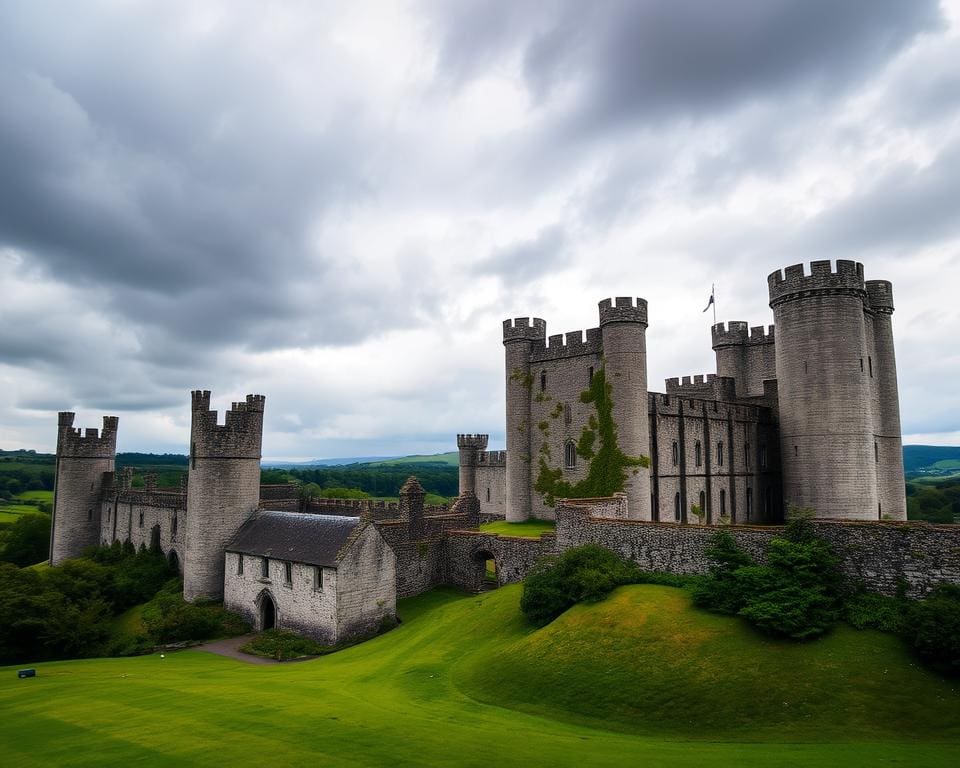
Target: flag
709 302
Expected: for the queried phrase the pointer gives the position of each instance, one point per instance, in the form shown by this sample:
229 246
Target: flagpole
713 289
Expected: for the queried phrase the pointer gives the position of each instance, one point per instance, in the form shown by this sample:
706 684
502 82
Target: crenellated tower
83 456
623 328
470 447
745 354
519 336
837 392
223 488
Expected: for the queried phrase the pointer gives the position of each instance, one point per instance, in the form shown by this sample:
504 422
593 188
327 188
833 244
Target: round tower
223 488
823 354
470 447
519 336
623 328
82 459
888 451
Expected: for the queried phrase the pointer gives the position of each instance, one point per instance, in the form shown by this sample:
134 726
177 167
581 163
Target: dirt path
230 647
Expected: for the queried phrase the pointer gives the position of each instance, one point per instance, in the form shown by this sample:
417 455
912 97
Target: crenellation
792 282
623 309
521 329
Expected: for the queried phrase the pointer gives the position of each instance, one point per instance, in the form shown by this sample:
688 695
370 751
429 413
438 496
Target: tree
28 541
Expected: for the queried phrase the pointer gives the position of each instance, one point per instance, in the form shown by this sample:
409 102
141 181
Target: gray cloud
528 259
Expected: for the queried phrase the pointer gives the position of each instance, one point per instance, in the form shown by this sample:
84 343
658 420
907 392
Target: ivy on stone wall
597 444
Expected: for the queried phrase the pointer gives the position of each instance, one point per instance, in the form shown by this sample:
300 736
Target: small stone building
329 577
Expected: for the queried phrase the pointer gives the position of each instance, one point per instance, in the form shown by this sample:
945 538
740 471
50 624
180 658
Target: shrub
168 618
869 610
581 574
28 540
282 644
932 628
721 591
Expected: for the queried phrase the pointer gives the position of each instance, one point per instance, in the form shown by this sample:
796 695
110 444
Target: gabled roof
296 536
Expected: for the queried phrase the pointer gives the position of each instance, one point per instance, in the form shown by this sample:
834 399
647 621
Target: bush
168 618
795 594
932 628
869 610
28 540
581 574
282 645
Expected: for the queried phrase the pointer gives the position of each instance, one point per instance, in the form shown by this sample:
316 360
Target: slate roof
296 536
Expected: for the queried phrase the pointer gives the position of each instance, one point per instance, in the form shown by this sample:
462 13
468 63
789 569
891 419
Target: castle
804 412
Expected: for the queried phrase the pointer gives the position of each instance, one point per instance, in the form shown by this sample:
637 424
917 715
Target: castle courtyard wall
366 586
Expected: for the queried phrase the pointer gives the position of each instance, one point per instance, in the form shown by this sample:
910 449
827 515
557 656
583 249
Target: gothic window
265 567
723 502
699 453
567 414
288 573
676 453
676 507
570 455
488 494
590 377
719 454
318 578
543 381
239 564
141 519
703 505
173 526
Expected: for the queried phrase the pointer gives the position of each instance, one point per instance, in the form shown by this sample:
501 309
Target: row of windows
174 521
677 512
698 454
287 571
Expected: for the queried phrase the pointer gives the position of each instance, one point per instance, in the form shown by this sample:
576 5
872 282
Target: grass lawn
530 529
640 679
36 496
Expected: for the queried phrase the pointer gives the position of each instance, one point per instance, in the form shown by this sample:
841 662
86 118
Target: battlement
477 442
622 309
521 329
492 459
736 332
847 279
573 346
880 296
710 387
86 443
238 437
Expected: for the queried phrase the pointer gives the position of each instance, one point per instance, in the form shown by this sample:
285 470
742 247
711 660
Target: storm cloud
336 204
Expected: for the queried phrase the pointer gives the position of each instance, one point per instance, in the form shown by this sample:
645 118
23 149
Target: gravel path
230 647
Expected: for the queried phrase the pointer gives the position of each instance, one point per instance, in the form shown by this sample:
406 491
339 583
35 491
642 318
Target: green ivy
608 464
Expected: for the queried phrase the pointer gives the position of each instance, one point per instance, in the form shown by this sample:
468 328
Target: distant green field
11 511
36 496
451 459
947 464
640 679
530 529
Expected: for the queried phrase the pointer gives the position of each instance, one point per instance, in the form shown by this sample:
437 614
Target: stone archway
174 560
485 564
268 612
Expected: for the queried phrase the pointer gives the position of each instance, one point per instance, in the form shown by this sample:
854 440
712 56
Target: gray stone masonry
470 447
83 460
223 488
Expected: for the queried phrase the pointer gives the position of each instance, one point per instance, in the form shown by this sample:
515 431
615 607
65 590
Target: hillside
638 679
931 459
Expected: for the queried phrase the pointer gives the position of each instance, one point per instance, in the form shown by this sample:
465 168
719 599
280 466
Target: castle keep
802 412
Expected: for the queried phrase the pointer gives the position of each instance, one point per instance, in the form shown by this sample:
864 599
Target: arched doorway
174 560
268 612
486 565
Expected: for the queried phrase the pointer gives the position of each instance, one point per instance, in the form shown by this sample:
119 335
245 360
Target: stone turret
837 392
745 354
223 488
470 447
623 328
83 457
519 336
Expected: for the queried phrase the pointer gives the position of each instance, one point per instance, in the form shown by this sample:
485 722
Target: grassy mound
644 661
416 696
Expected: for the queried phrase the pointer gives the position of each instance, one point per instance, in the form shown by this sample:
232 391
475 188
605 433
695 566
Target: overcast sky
336 204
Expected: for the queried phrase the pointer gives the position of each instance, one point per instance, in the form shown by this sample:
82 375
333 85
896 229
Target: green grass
529 529
451 459
36 496
640 679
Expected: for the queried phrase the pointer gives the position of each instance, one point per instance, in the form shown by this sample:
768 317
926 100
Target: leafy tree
932 627
28 540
